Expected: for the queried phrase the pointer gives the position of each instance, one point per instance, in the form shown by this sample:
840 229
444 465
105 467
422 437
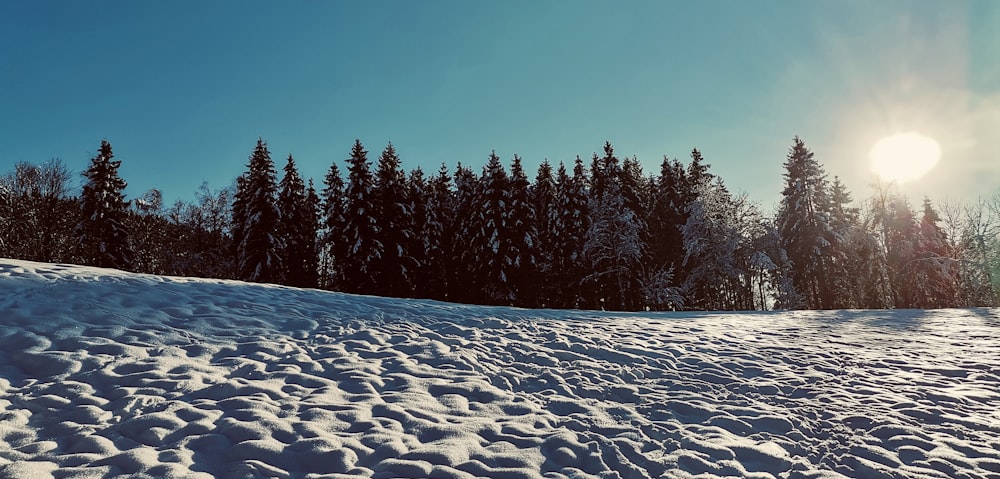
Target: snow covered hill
104 373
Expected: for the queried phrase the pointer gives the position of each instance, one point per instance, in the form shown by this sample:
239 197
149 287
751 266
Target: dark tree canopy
103 235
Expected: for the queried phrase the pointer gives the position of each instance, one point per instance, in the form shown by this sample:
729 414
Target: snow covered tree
464 256
418 195
362 233
102 231
438 218
614 246
491 242
255 220
668 215
310 231
711 240
333 243
803 221
934 270
614 250
393 268
37 213
520 229
570 225
544 204
297 230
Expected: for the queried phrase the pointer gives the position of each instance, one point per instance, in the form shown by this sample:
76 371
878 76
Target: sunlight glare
904 156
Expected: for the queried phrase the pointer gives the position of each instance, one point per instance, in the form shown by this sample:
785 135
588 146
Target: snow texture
105 373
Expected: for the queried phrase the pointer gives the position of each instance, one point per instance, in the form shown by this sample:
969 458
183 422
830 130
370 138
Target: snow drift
104 373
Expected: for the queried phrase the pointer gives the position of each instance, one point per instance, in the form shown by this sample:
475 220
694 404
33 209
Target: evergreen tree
333 242
522 234
570 225
544 204
900 226
935 272
103 234
614 246
669 213
464 257
438 219
297 230
418 195
362 232
255 217
491 240
804 224
393 268
310 232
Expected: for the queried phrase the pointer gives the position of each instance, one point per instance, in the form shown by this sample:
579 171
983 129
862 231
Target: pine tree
362 233
103 234
804 224
490 236
418 197
394 267
310 233
935 271
614 247
333 243
297 229
544 204
464 258
669 213
522 235
570 224
255 217
439 216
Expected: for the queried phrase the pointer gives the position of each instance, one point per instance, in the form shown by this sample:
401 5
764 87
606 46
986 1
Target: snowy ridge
105 373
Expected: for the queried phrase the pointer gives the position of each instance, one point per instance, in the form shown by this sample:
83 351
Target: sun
904 156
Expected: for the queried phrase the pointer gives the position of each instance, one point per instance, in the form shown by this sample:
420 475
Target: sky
183 89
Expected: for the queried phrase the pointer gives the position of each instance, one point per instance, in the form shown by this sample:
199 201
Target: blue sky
183 89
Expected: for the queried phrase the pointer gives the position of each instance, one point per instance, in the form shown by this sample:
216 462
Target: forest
601 234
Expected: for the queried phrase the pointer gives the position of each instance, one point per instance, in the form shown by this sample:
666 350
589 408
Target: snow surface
104 373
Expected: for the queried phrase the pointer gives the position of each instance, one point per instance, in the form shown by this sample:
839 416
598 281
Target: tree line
600 235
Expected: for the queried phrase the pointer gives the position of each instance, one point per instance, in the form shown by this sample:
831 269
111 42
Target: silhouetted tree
102 231
255 220
362 233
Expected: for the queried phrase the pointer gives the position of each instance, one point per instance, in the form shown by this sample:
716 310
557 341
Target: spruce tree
544 204
668 214
465 257
362 233
310 233
935 272
255 216
572 220
394 266
614 247
291 203
490 240
104 237
333 243
803 221
439 214
418 199
522 235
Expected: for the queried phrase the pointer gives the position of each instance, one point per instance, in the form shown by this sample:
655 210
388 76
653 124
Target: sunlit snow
104 373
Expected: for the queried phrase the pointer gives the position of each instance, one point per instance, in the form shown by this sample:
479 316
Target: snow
105 373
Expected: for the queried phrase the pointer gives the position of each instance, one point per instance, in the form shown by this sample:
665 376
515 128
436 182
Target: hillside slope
104 373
